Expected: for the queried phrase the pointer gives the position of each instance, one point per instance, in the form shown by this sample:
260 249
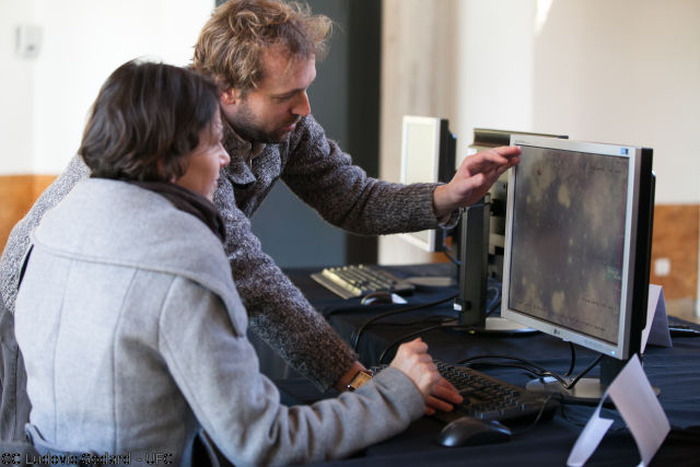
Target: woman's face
204 163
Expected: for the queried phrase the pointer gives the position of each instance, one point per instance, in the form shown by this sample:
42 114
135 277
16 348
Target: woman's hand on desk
413 360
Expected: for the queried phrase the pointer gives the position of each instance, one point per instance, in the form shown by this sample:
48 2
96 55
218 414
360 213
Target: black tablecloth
675 371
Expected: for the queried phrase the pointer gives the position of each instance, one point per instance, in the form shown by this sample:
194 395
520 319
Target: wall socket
29 38
662 267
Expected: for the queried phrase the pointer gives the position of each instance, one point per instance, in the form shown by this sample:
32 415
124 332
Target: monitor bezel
626 342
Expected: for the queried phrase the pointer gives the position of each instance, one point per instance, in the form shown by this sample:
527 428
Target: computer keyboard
490 398
360 279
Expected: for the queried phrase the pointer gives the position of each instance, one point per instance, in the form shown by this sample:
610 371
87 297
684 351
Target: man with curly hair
262 54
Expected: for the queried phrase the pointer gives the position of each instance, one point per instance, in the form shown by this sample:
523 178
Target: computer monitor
578 246
481 241
428 150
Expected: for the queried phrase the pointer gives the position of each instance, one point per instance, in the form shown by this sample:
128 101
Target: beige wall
18 193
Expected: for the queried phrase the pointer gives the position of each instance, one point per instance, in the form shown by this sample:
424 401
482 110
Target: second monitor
428 154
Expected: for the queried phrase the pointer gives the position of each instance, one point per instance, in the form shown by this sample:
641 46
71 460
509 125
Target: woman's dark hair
145 120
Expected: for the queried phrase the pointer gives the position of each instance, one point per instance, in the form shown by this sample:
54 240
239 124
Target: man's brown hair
231 44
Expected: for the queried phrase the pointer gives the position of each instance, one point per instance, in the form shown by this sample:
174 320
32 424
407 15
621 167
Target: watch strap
360 379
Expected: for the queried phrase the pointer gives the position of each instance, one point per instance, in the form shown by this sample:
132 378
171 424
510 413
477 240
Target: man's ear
229 96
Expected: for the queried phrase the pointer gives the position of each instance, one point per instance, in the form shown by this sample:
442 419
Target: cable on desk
538 371
406 337
495 301
584 372
445 324
572 348
355 338
540 414
521 363
451 323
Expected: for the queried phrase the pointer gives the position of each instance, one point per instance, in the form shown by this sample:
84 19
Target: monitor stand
474 277
586 390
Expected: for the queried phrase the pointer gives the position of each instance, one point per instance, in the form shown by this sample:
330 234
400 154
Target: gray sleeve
217 371
322 175
278 311
18 240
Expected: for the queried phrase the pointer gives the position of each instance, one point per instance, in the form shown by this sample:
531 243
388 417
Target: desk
675 371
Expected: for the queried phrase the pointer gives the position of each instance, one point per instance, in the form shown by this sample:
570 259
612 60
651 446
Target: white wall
622 71
45 100
625 71
16 90
495 66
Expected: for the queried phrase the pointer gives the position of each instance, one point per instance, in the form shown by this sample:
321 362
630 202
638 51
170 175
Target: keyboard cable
408 336
533 368
355 338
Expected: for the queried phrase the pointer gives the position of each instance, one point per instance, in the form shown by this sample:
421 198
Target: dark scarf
189 202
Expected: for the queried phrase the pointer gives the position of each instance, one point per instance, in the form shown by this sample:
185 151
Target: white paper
636 401
656 330
634 398
590 438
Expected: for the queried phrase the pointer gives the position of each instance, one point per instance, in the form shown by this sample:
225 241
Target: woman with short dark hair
132 331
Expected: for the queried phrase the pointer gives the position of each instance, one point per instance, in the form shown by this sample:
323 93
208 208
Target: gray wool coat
143 340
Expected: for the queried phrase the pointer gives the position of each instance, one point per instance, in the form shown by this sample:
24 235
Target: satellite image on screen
568 234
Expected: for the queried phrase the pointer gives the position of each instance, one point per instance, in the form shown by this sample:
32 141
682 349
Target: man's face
270 112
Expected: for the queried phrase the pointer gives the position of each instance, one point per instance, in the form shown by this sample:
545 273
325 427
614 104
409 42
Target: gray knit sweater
323 176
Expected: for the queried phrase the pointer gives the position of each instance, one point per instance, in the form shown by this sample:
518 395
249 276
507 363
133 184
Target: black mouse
378 297
469 431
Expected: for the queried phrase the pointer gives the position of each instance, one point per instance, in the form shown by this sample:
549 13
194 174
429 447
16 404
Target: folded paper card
636 401
656 331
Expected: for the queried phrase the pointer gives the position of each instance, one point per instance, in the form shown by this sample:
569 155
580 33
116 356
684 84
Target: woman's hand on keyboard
413 360
443 397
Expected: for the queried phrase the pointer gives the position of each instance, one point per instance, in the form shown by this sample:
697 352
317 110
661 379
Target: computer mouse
380 297
469 431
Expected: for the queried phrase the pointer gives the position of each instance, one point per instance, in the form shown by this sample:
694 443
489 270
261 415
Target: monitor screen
427 156
577 247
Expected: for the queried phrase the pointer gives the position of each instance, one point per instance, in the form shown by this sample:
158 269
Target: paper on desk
635 400
656 330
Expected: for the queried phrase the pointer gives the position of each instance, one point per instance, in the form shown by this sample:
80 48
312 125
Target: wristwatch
360 379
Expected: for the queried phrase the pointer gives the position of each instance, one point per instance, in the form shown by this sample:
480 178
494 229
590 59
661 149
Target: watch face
361 378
